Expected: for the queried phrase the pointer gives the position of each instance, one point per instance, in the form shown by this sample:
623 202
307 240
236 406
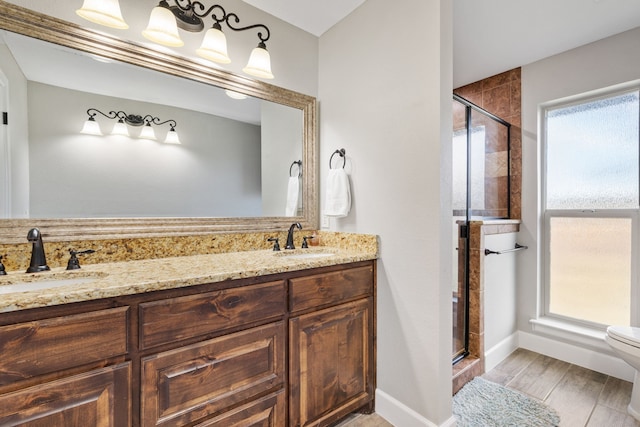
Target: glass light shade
172 137
120 129
214 46
91 127
259 64
147 133
103 12
235 95
162 28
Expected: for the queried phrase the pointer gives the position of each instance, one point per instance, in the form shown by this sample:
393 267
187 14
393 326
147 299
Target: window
591 201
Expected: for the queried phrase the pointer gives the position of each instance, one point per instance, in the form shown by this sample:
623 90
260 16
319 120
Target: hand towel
338 195
293 190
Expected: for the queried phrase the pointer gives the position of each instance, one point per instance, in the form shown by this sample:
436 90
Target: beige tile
616 394
361 420
575 396
603 416
540 377
511 366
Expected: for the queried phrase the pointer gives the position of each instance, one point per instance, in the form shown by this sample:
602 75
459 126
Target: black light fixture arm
190 13
131 119
237 20
192 6
149 119
92 112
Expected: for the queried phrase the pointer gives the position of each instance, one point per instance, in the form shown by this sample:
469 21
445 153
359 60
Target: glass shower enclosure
481 190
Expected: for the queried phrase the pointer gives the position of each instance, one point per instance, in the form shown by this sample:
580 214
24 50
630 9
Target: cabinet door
193 382
331 357
97 398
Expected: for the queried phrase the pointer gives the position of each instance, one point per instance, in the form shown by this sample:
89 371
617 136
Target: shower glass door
481 188
459 230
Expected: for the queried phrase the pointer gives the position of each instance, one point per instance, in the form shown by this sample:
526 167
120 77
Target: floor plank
540 377
582 398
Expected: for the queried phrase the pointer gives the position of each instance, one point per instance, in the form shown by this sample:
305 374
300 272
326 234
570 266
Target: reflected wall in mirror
231 171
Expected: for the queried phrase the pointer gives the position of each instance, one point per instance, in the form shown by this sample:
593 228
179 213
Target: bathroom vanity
199 340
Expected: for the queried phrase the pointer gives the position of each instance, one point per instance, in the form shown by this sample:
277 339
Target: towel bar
342 153
299 163
517 248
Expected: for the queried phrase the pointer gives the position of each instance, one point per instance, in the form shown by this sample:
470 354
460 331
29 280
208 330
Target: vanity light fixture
162 30
91 126
103 12
235 95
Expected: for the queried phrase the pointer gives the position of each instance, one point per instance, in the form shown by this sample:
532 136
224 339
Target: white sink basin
43 284
299 255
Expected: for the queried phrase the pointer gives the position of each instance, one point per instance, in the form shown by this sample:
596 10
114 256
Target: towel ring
299 163
342 153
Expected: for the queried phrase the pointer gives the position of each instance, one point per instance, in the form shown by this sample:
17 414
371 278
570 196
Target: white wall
500 296
385 96
214 172
604 63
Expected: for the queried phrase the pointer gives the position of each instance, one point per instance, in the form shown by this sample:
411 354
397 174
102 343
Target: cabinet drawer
184 385
330 288
268 411
176 319
43 346
95 398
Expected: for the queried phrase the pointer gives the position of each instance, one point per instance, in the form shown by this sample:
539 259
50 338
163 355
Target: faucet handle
3 272
305 243
276 245
74 263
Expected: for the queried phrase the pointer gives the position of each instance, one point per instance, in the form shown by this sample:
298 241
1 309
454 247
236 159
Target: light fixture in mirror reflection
165 20
91 126
237 159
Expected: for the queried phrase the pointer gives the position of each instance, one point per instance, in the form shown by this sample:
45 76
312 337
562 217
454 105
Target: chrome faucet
290 244
38 260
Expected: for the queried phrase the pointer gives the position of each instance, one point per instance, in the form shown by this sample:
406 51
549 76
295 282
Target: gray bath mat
481 403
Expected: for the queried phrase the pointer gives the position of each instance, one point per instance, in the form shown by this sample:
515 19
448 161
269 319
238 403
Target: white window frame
547 214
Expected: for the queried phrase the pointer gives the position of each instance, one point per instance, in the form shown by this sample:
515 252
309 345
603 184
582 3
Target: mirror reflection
234 159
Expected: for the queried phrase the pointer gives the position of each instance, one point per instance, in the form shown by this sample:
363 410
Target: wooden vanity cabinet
331 345
289 349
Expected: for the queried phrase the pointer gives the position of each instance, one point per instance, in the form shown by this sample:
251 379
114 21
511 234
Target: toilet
625 341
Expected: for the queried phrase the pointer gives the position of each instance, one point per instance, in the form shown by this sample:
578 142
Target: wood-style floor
582 398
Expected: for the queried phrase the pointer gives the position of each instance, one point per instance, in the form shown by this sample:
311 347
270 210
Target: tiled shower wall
501 96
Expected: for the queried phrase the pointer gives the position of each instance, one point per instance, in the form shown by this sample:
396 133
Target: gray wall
608 62
18 136
385 96
279 135
214 172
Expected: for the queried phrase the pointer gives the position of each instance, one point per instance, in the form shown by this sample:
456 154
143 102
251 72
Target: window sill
567 331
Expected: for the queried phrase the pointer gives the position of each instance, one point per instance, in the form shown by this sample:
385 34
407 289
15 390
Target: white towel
293 190
338 196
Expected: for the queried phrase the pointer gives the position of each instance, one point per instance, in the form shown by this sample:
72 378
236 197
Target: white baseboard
590 359
500 351
401 415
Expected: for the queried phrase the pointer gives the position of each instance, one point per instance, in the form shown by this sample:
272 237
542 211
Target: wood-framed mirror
15 20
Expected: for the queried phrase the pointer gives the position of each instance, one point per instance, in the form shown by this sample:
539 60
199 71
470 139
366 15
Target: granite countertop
133 277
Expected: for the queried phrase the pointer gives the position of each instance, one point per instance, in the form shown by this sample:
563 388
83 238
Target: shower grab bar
517 248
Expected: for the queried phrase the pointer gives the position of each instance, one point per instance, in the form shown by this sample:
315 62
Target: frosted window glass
460 169
590 269
592 154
